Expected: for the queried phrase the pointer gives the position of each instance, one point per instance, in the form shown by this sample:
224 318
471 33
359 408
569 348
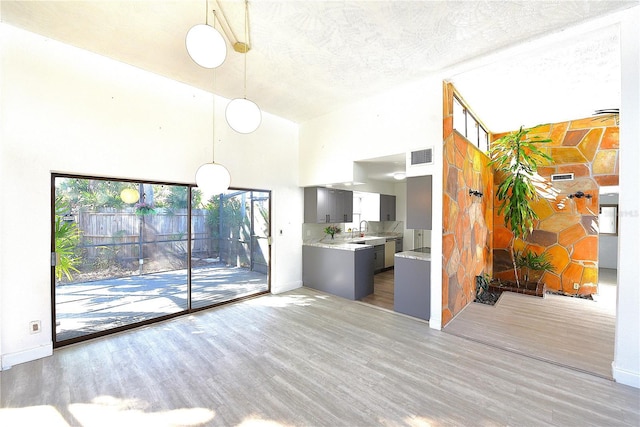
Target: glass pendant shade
212 179
243 115
206 46
129 195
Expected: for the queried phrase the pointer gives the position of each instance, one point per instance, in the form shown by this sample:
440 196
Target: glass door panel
230 257
121 254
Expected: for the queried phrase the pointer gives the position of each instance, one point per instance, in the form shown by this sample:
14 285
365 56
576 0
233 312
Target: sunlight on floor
111 411
280 300
32 416
256 421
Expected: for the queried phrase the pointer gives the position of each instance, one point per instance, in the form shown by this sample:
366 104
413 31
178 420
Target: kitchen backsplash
315 232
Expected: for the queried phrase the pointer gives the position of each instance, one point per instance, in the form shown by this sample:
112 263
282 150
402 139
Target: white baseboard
625 377
10 359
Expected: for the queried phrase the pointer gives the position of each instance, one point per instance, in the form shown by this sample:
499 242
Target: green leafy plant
332 229
515 158
66 236
531 262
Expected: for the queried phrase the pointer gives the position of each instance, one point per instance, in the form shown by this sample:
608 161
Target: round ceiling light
212 179
243 115
399 176
206 46
129 195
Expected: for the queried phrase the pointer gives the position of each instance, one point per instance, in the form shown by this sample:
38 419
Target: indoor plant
515 158
332 229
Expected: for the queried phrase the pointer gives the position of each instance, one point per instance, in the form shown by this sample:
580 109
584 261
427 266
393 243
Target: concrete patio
88 307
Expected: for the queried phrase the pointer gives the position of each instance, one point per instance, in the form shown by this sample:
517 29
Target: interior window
468 126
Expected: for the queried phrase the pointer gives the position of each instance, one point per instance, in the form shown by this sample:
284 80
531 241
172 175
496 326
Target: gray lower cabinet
378 258
412 289
399 244
345 273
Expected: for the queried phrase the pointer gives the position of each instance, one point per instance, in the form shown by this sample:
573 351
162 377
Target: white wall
67 110
626 363
394 122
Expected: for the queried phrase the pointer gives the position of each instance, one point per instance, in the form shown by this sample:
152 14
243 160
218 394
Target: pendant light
243 115
129 195
205 44
213 178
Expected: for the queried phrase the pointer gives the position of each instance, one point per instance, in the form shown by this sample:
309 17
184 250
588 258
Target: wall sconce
475 193
580 195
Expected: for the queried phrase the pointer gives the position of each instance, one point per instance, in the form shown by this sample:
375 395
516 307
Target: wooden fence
122 234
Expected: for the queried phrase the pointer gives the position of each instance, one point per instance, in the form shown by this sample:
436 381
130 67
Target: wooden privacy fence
123 233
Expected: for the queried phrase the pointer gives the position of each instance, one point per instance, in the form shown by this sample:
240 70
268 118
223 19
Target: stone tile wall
567 228
467 220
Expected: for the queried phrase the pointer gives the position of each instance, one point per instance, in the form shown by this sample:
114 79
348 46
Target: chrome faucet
366 225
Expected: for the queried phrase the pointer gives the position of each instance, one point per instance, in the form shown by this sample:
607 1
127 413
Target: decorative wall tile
586 249
573 137
467 240
567 155
588 148
610 139
604 162
571 234
589 145
542 237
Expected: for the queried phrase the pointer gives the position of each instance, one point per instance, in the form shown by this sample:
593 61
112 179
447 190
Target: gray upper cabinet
327 205
387 207
419 203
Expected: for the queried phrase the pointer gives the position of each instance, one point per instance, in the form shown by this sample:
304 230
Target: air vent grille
422 157
561 177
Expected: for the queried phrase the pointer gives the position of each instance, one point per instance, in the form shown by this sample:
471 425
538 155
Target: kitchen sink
370 240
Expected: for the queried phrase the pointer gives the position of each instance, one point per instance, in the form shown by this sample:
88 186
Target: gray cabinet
327 205
411 289
378 258
419 203
387 207
343 206
348 274
399 244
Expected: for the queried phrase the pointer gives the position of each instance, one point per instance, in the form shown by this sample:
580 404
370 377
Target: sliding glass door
126 253
234 245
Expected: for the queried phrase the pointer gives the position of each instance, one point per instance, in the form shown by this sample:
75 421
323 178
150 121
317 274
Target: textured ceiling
311 57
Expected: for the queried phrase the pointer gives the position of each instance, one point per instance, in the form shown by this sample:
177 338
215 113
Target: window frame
478 125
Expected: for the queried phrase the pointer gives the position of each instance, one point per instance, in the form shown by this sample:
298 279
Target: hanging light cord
247 43
213 103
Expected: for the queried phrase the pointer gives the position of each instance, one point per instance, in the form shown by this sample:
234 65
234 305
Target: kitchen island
342 269
412 283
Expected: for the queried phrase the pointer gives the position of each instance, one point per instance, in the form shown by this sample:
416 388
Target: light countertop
424 254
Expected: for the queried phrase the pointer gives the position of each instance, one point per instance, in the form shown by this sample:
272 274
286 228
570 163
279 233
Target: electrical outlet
576 286
34 327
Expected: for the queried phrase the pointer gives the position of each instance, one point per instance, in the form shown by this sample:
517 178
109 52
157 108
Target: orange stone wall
567 228
467 220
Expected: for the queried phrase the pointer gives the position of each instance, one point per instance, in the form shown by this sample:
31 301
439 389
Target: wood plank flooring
573 332
382 295
302 358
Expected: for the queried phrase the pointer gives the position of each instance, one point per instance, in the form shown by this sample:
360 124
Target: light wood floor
302 358
572 332
382 295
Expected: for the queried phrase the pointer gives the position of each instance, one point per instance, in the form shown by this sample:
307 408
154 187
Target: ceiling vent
561 177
